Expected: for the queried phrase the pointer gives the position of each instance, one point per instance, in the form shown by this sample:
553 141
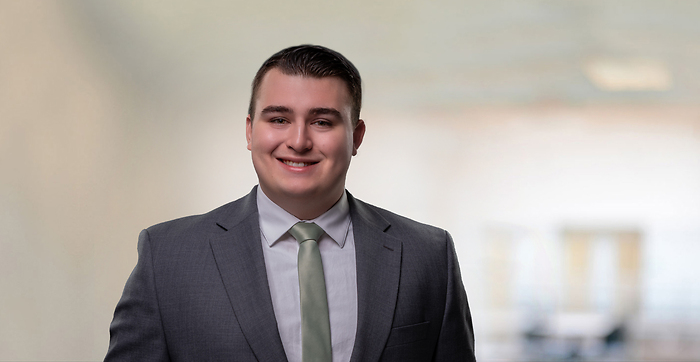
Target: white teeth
296 164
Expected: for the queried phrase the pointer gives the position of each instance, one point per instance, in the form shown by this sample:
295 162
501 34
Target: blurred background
558 141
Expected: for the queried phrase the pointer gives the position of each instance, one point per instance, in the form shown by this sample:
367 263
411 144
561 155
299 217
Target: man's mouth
297 164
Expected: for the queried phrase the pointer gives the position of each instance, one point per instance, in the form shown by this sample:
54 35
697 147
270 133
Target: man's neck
304 208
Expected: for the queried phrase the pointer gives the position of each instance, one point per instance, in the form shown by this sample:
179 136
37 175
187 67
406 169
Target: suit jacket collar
378 260
239 258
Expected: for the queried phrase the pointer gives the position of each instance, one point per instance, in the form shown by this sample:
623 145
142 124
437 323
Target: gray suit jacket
199 292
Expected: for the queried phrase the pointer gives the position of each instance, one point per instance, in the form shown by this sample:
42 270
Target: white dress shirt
337 247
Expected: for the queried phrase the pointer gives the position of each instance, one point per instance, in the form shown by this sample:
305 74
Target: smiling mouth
297 164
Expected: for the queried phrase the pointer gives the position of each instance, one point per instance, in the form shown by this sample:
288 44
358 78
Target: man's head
303 129
312 61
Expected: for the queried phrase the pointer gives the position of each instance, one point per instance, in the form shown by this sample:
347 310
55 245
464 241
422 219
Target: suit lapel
378 259
239 258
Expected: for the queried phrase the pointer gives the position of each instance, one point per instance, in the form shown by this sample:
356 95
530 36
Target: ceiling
412 54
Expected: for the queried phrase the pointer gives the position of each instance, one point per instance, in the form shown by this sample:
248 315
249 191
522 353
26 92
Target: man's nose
299 139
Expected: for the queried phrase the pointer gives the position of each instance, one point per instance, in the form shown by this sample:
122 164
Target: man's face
301 137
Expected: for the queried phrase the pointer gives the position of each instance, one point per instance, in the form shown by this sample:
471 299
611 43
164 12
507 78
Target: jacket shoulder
212 222
401 226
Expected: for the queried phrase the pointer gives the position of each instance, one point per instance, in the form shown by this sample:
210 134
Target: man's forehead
278 74
277 86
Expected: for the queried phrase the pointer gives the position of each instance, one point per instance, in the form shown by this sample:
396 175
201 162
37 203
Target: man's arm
456 341
136 332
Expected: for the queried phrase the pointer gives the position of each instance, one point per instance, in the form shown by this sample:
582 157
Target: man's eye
278 120
323 123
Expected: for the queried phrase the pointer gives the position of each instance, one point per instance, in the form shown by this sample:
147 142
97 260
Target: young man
297 270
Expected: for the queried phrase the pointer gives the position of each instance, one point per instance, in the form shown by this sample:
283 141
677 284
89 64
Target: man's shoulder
399 225
216 220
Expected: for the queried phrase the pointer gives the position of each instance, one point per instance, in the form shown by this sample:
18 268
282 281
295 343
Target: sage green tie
315 325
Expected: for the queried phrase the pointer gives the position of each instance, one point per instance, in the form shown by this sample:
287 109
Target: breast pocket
408 334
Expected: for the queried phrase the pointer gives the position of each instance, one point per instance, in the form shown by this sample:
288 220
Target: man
241 283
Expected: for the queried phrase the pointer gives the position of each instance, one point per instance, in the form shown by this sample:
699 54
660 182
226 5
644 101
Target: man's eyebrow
325 111
276 109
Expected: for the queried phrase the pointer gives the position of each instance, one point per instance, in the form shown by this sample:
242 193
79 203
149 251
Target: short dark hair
312 61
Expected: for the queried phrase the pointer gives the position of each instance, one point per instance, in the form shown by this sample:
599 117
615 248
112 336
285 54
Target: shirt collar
275 221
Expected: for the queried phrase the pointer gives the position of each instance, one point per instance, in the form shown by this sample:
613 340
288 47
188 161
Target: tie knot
303 231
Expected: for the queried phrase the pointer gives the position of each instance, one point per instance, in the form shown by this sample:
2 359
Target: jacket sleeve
456 340
136 332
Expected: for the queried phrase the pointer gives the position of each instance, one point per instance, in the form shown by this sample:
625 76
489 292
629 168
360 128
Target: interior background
559 143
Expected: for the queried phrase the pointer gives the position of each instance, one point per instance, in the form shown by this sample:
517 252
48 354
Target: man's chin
301 194
312 195
296 192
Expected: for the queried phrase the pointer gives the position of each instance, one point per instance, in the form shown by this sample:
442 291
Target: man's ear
248 131
357 135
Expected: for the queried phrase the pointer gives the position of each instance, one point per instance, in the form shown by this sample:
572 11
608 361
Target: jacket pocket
408 334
